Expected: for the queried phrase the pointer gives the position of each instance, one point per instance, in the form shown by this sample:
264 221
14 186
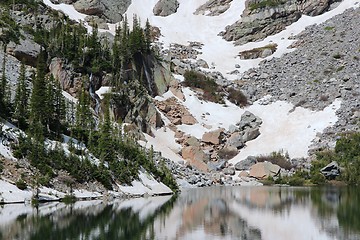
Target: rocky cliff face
111 10
262 18
165 7
320 70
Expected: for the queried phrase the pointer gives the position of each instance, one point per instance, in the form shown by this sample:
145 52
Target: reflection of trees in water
102 221
349 210
341 205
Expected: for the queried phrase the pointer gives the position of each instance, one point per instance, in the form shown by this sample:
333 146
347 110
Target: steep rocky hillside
207 89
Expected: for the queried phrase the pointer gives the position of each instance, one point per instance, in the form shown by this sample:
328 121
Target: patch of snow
291 131
69 97
81 193
221 54
146 185
103 90
11 194
164 142
284 127
67 9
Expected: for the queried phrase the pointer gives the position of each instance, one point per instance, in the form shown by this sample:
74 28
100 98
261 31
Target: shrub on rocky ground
278 158
237 97
211 90
20 184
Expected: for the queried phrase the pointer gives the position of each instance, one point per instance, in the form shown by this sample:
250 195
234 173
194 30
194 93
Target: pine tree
55 106
21 112
84 118
38 101
106 143
5 94
147 33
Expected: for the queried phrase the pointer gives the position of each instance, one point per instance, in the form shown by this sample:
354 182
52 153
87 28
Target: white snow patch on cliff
146 185
67 9
284 126
103 90
183 27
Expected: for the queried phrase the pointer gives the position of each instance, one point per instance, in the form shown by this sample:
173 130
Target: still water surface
252 213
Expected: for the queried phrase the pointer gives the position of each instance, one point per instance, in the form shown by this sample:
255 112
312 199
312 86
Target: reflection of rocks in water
209 212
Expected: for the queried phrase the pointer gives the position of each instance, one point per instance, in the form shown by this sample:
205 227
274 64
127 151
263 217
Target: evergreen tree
38 101
147 33
5 94
21 99
55 106
83 116
106 143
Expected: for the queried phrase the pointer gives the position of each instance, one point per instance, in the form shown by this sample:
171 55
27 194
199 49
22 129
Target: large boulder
64 76
249 120
262 18
331 170
213 7
165 8
228 152
89 7
246 164
195 157
229 171
213 137
162 77
111 10
264 170
235 140
27 51
251 134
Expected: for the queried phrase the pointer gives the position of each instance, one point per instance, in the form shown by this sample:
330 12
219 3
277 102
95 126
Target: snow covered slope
290 131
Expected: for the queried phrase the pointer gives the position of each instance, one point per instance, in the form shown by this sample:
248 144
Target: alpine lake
252 213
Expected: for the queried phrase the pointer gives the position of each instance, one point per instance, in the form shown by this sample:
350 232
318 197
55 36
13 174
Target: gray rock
267 52
165 8
26 51
89 7
331 170
216 166
235 140
251 134
229 171
97 21
246 119
111 10
259 22
246 163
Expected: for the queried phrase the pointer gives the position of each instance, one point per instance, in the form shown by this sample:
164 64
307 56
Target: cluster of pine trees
40 110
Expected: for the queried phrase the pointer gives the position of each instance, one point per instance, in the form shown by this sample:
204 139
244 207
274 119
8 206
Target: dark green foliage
41 112
4 91
1 166
84 118
337 56
10 30
21 184
211 90
237 97
347 154
265 3
68 199
55 107
296 181
38 113
21 112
